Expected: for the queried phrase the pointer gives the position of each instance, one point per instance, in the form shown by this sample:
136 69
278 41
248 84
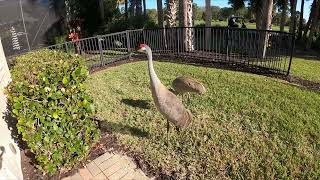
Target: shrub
54 112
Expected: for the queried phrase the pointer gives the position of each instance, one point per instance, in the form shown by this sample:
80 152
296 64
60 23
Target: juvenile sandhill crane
169 105
186 84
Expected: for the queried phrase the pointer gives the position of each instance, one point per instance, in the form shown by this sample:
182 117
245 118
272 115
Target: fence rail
253 49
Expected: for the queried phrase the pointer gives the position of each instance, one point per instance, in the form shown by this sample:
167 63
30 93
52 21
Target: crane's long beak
139 50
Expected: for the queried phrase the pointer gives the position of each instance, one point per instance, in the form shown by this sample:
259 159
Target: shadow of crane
143 104
114 127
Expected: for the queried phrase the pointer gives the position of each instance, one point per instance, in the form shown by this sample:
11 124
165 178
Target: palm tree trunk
171 13
208 23
208 13
293 4
313 26
101 9
160 13
126 8
181 13
301 20
138 7
144 8
188 22
283 16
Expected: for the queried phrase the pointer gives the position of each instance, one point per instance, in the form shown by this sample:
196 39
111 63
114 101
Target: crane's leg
168 128
188 97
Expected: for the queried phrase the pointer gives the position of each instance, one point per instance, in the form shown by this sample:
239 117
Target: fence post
128 43
100 49
293 35
144 36
227 44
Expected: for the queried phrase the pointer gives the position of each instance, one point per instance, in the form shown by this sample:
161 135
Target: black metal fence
252 49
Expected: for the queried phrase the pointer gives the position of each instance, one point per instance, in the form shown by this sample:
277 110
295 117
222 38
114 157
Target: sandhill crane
169 105
186 84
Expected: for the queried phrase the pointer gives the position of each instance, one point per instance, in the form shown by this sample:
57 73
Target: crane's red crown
142 46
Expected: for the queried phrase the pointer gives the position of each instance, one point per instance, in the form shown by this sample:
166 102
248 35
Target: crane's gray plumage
169 105
185 84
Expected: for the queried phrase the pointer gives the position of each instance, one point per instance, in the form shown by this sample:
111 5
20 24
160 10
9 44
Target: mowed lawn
308 69
249 25
245 126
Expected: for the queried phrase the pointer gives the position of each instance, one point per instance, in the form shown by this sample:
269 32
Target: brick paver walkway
110 166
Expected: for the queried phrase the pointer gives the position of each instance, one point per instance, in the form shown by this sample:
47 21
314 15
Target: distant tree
310 20
144 8
208 20
208 13
160 13
283 6
301 20
314 22
82 10
197 12
236 4
215 11
126 9
226 12
293 7
152 14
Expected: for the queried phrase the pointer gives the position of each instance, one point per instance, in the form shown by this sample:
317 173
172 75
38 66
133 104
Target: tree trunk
266 20
208 13
283 16
144 8
138 7
208 23
314 24
258 13
171 13
181 13
160 13
267 15
293 5
188 22
301 20
126 9
101 9
311 16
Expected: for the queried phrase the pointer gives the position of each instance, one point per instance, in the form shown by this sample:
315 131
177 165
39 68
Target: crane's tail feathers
187 118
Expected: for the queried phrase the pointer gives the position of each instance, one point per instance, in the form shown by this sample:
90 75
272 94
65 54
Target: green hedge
54 112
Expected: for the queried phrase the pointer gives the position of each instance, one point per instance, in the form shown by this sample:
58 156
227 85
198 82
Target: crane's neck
153 76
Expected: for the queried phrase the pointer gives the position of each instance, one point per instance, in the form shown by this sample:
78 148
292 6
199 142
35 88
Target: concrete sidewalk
10 159
110 166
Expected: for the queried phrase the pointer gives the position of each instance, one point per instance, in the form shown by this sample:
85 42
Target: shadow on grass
113 127
301 52
143 104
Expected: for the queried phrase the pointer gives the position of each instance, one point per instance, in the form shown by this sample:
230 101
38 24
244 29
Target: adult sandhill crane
169 105
186 84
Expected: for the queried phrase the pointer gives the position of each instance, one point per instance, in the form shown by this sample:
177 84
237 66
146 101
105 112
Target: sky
152 4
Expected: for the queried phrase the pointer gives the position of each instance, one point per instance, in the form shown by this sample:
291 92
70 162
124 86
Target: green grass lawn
249 25
245 126
306 69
